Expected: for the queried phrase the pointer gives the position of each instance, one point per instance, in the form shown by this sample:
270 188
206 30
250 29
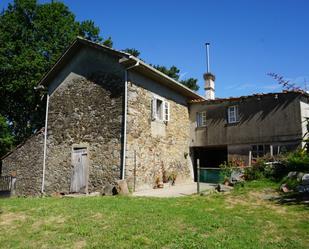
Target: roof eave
163 78
125 59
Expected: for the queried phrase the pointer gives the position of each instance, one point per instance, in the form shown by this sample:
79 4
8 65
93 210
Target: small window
201 119
159 105
160 110
232 114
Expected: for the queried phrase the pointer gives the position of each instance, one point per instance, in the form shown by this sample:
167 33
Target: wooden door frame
86 147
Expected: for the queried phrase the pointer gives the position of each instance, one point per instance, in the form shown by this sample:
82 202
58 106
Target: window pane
201 119
159 109
231 114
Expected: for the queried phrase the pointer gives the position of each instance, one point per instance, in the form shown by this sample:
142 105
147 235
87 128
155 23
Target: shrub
291 183
297 161
228 167
253 173
275 168
256 171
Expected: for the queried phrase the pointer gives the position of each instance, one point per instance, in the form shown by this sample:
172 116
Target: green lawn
242 219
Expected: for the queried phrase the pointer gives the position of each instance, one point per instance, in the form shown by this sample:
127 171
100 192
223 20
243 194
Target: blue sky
248 38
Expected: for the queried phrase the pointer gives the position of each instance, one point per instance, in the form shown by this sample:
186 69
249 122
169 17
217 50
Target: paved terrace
175 191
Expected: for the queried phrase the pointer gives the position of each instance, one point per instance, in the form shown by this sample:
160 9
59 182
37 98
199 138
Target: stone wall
88 112
158 146
26 161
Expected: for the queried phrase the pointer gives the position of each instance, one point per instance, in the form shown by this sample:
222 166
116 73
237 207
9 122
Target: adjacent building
247 127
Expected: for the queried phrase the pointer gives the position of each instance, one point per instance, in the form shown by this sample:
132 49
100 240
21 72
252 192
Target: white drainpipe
125 119
45 147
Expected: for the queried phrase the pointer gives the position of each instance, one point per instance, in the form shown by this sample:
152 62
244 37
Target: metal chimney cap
210 76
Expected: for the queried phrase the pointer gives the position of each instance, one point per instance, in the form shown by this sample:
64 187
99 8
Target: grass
241 219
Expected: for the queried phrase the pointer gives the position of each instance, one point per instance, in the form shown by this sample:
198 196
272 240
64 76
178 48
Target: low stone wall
159 146
26 162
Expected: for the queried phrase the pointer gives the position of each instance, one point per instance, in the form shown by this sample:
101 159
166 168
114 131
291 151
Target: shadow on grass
294 199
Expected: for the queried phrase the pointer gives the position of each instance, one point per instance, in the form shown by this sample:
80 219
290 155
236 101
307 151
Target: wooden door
79 180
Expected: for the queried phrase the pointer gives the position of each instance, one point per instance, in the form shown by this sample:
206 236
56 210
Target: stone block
122 187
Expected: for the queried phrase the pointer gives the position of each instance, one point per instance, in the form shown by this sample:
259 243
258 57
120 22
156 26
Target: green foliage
227 168
174 73
88 30
291 183
275 168
190 83
253 173
6 138
293 161
297 161
132 51
32 37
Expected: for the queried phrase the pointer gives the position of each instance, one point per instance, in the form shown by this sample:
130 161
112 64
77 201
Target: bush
256 171
291 183
275 168
228 167
297 161
253 173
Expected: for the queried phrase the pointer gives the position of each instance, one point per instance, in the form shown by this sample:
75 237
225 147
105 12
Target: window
260 150
160 109
232 114
201 119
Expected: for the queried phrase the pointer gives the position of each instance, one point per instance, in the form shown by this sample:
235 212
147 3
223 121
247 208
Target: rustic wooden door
79 180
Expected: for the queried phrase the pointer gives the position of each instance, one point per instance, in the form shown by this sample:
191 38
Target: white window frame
233 114
166 113
164 109
201 119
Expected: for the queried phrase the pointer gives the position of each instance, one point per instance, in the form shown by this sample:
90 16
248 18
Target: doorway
79 179
210 159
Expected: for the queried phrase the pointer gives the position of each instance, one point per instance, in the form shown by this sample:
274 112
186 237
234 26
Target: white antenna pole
207 57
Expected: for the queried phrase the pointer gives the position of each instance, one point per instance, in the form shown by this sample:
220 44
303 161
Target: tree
132 51
173 72
191 83
6 138
32 37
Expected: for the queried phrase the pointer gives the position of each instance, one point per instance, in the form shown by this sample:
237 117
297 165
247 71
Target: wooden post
250 158
271 150
278 152
13 185
198 175
134 179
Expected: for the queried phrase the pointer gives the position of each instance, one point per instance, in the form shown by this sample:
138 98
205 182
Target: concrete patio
175 191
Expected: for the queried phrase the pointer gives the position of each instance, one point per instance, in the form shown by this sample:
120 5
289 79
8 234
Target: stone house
109 116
